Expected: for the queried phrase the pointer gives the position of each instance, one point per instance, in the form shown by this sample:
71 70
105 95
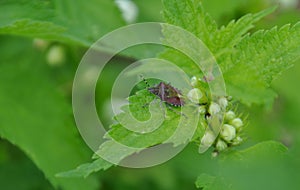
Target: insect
167 93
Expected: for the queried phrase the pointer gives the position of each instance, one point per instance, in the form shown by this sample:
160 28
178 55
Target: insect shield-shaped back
168 94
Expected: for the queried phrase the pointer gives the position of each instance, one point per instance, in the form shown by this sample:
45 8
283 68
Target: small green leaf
85 170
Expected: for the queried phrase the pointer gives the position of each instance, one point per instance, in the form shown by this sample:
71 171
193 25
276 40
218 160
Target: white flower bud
129 10
228 132
236 141
194 81
223 102
221 145
195 95
208 139
230 115
237 123
214 108
288 4
56 55
202 109
214 154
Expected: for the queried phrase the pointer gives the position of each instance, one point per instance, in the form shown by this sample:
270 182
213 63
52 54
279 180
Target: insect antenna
145 81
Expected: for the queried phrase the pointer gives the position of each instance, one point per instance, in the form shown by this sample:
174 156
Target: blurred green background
41 44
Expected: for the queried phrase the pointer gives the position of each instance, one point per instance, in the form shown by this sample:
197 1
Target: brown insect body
168 94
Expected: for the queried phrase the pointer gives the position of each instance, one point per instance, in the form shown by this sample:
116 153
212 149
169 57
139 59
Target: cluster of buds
230 134
231 130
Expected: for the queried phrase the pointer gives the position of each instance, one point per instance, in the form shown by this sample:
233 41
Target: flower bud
230 115
202 109
237 123
221 145
223 102
237 140
129 10
214 108
56 55
194 81
214 154
228 132
195 95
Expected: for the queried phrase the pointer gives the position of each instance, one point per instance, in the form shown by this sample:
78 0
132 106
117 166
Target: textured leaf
114 152
246 72
36 117
189 14
259 59
230 35
249 63
270 52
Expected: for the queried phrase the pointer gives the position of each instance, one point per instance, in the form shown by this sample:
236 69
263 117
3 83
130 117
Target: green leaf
226 44
18 172
68 21
229 36
264 56
189 14
112 151
261 163
86 169
35 116
137 107
249 63
265 163
259 151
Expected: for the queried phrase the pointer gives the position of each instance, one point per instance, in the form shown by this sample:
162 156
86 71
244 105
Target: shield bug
167 93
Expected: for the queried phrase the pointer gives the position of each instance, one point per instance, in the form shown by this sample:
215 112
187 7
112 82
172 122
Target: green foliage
265 54
205 181
146 14
66 21
36 113
12 161
85 170
119 134
235 51
36 117
259 162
